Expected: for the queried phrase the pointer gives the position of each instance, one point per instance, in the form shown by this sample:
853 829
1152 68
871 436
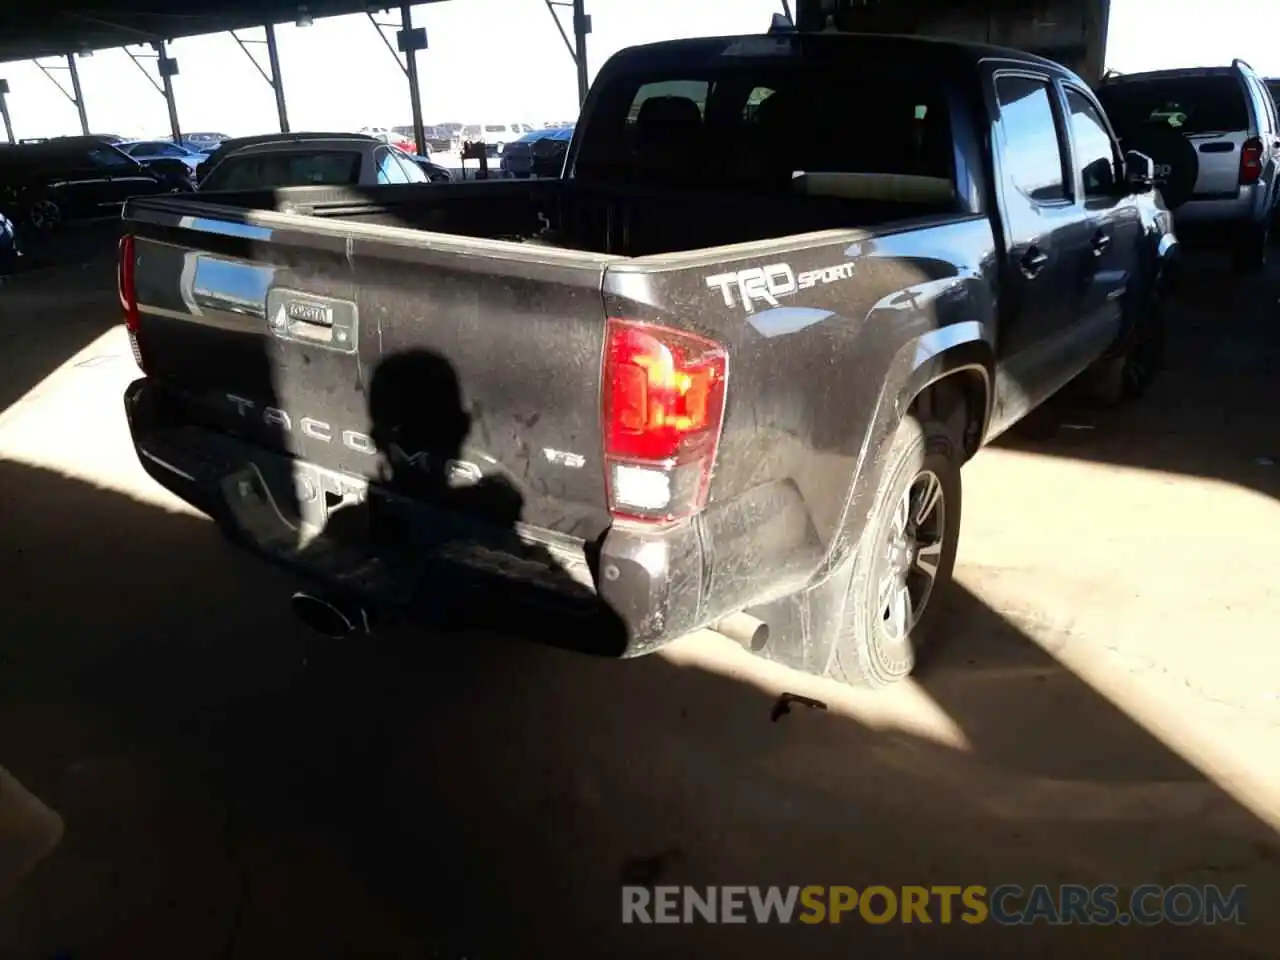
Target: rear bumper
405 560
1214 218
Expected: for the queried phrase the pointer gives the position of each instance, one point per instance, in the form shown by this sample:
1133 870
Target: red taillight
124 274
125 266
663 404
1250 162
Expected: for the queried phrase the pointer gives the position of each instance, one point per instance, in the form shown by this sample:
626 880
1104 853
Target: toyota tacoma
723 372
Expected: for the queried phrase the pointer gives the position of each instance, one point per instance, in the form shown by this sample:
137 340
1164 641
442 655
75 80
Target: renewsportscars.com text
1008 905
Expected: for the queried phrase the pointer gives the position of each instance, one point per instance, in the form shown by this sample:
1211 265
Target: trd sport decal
769 284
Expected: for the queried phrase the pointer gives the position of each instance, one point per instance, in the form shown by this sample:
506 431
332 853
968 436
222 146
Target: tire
44 214
1177 163
1127 378
870 651
1249 254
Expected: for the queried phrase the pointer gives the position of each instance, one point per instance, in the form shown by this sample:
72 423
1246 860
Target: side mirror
1139 172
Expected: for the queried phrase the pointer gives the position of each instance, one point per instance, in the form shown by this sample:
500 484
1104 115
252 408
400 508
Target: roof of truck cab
883 45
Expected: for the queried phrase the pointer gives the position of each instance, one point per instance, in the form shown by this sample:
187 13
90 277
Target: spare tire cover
1176 161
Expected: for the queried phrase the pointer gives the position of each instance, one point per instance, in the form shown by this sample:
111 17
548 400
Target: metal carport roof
54 28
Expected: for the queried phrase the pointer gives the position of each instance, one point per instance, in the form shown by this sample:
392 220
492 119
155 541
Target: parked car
285 162
517 159
439 140
548 153
173 172
202 142
390 136
43 185
435 173
684 386
1215 138
10 250
235 143
145 150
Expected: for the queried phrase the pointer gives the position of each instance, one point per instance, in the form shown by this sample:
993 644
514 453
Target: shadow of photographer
444 523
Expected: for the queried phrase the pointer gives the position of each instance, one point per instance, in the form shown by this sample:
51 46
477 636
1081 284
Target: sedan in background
203 142
144 150
286 161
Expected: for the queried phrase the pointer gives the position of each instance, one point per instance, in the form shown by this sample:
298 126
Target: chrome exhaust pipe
330 620
751 632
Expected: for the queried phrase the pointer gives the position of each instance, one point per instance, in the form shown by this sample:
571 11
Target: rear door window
1031 151
1091 146
1190 105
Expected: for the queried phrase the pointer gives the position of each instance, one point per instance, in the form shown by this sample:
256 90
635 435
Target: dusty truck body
722 373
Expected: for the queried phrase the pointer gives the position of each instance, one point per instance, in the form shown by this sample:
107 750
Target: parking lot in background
1106 710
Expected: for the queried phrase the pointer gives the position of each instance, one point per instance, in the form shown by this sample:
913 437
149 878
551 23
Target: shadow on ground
235 787
49 315
1212 412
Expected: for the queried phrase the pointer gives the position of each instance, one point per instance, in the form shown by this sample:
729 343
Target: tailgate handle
306 318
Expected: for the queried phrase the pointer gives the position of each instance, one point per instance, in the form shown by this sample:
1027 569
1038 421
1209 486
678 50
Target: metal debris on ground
783 705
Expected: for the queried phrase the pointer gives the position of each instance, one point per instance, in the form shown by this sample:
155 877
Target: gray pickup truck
723 373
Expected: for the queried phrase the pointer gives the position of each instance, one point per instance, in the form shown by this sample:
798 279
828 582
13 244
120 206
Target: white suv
1214 135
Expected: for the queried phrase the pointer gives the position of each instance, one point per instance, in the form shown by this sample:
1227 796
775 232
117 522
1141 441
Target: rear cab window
760 124
285 168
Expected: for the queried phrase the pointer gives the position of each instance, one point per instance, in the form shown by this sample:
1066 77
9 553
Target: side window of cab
1031 151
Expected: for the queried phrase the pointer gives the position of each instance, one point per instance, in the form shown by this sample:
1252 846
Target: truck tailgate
433 365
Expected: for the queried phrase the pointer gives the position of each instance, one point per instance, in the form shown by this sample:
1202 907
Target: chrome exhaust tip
742 628
328 619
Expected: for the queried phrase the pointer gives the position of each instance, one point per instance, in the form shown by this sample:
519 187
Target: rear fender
960 347
815 616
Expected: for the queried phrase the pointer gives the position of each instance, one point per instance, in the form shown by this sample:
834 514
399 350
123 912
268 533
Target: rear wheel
1128 377
904 560
44 214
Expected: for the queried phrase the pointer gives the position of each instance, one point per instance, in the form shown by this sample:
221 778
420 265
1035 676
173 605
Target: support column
168 68
77 94
4 111
410 42
273 59
581 27
578 48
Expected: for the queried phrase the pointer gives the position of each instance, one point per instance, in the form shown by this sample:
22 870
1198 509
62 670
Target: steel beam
4 111
581 27
408 42
277 84
272 73
578 47
75 94
411 42
168 68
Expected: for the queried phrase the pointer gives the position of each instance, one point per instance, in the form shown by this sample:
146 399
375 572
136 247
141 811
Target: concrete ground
1107 709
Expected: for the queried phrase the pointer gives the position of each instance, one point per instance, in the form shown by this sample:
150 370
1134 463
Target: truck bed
619 221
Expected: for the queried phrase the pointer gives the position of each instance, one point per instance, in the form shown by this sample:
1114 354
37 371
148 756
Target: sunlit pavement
1107 709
